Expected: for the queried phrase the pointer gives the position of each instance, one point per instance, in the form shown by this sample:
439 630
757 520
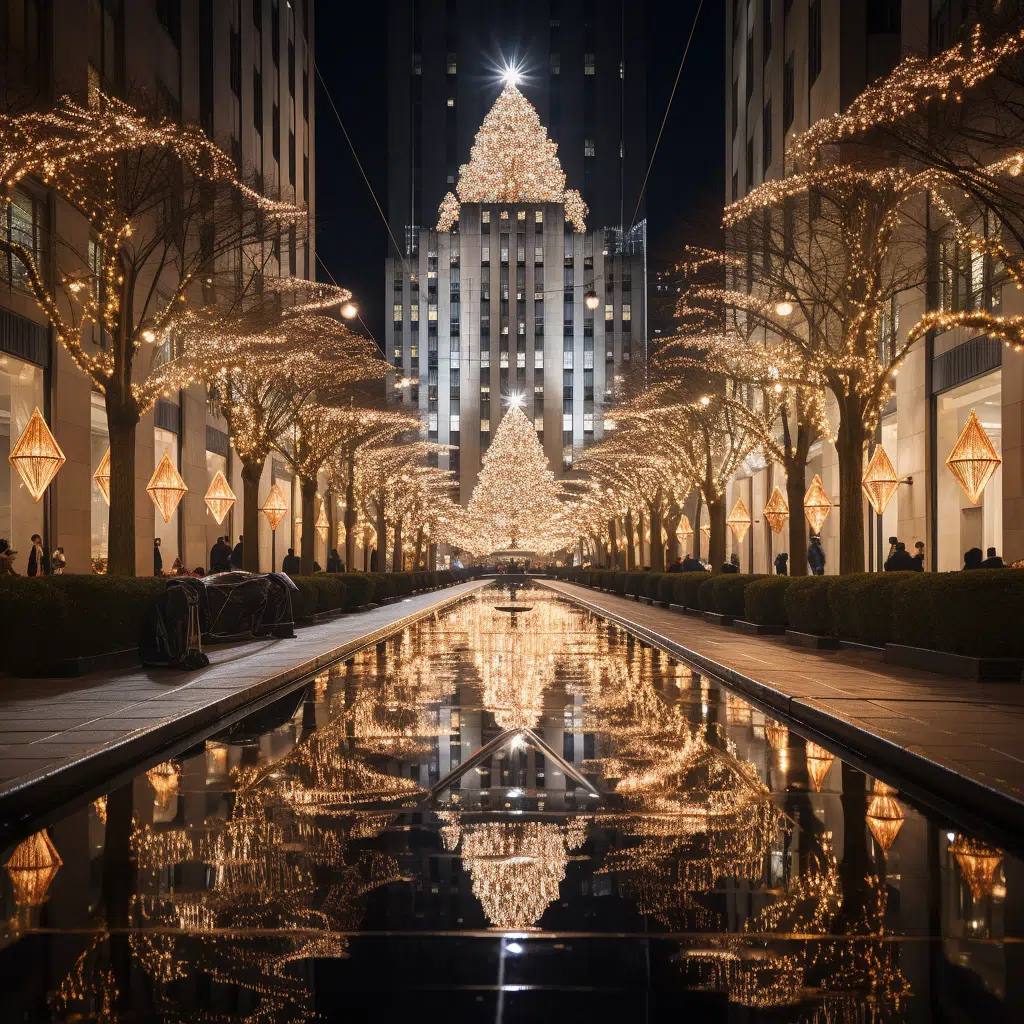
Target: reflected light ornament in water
164 778
219 498
275 507
32 868
973 459
880 482
978 864
819 764
739 521
37 456
102 476
166 488
776 511
777 735
885 815
817 504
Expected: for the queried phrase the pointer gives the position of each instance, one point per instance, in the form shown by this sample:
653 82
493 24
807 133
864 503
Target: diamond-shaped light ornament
973 459
322 524
776 511
102 477
684 531
885 816
705 532
817 504
36 456
739 520
166 488
275 507
32 868
880 482
219 498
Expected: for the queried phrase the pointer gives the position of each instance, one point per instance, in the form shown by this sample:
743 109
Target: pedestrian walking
38 560
220 556
900 560
59 562
158 561
290 566
816 556
235 561
972 559
993 561
782 563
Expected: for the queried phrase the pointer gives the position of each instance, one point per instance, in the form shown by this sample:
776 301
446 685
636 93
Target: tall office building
241 69
491 303
788 64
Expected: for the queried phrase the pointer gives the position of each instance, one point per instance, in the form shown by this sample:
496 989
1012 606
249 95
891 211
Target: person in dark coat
690 564
676 566
973 559
235 562
334 562
158 562
900 560
373 560
38 559
918 556
816 556
220 556
993 561
733 565
782 563
290 565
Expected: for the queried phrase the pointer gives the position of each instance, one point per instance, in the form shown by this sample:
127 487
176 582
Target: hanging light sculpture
880 482
37 456
817 504
885 816
819 764
705 532
978 864
776 734
166 488
322 524
275 507
102 476
776 511
684 531
219 498
739 520
973 459
164 778
32 868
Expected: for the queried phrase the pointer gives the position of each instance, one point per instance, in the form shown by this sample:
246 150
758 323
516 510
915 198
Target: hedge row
54 618
975 613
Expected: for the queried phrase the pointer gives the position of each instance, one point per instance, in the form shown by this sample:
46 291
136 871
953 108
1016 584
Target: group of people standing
39 562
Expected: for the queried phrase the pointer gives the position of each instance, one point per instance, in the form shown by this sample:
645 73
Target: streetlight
591 300
784 307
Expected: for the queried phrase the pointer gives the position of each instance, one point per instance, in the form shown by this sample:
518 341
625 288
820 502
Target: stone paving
48 726
973 730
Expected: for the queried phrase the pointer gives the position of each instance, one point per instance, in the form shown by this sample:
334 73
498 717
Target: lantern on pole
776 511
166 488
817 504
973 459
322 524
275 507
739 520
37 456
880 482
102 476
219 498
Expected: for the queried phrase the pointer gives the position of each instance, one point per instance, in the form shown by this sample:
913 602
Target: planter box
758 628
718 619
868 650
681 608
813 640
978 670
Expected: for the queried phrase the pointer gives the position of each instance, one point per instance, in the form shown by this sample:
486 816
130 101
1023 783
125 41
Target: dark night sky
684 194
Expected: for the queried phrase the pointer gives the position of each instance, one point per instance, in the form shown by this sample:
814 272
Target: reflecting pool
512 810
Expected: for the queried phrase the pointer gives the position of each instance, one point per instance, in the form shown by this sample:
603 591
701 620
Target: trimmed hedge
636 584
322 592
727 592
687 588
807 607
764 601
706 594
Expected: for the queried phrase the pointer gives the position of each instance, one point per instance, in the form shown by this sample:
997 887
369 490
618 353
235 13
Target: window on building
766 30
766 138
788 94
588 147
883 17
450 64
588 63
24 223
814 40
750 66
735 104
627 311
556 64
749 179
735 185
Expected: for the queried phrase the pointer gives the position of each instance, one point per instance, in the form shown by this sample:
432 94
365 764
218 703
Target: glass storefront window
99 514
961 525
166 441
21 391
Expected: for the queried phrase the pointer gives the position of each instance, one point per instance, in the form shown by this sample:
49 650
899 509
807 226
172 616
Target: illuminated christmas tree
512 161
515 504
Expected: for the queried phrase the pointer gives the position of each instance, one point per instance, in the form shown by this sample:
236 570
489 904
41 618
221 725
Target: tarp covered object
171 630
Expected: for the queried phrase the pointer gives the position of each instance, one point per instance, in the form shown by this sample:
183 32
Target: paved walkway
58 737
961 740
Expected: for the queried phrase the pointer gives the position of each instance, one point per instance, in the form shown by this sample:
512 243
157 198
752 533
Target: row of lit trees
789 332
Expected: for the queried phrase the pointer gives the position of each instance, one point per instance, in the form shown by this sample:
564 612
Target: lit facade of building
496 309
240 70
787 66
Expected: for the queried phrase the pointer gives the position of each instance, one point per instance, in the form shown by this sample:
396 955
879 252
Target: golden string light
166 488
36 456
880 482
973 459
512 161
739 520
817 504
776 511
219 497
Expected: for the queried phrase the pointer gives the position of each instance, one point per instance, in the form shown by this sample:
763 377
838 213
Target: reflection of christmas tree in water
515 504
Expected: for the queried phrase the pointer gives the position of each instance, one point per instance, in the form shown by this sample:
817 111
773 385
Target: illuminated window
521 360
588 63
538 216
503 360
588 422
432 421
485 217
398 312
485 254
485 426
453 423
567 423
556 64
451 101
520 215
588 147
626 313
538 360
414 312
609 311
452 66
